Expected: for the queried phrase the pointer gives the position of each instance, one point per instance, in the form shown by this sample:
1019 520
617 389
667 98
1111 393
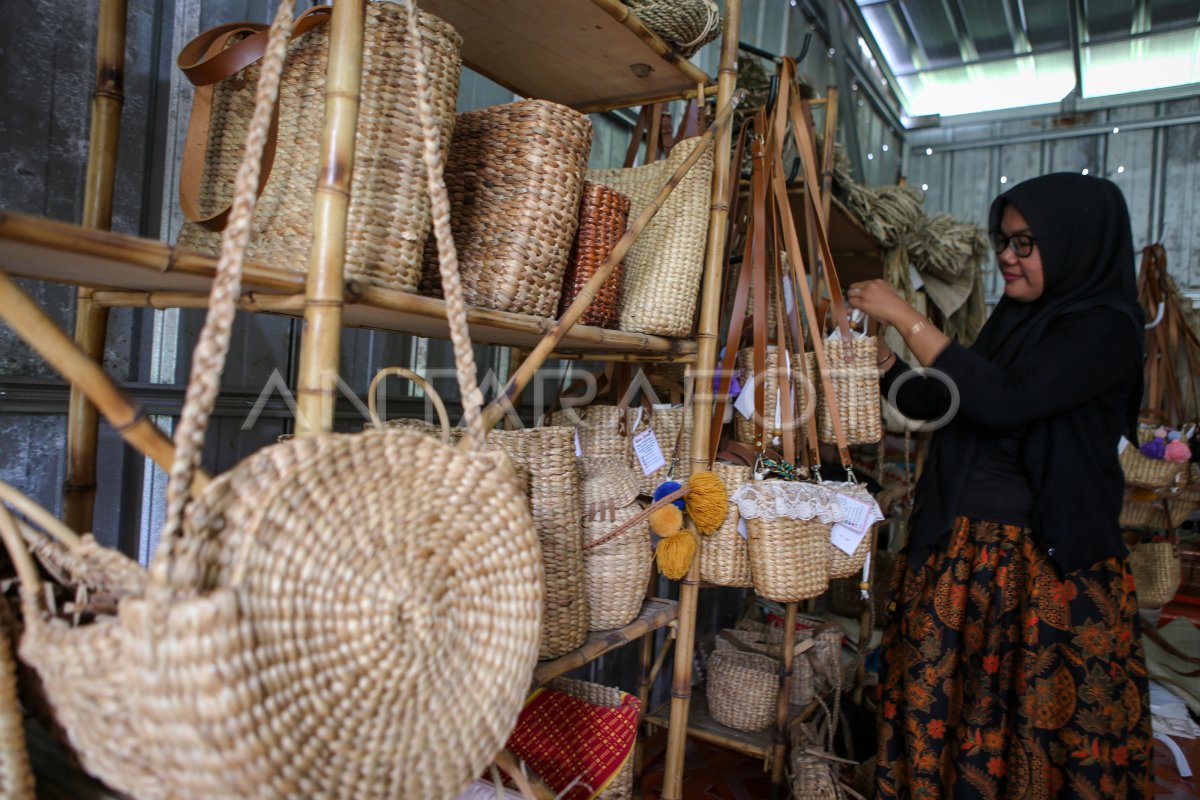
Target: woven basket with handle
616 571
389 204
621 786
743 689
724 553
603 216
1157 572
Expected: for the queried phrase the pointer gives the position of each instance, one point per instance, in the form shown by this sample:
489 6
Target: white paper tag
742 529
914 276
745 401
645 445
1121 445
859 514
578 449
846 539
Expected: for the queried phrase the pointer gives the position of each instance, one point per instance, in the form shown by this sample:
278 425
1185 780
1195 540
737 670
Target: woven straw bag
854 376
1152 473
743 427
803 689
621 786
600 430
603 216
1157 572
665 264
841 563
616 570
788 525
724 554
686 25
743 689
1166 513
389 204
272 653
515 175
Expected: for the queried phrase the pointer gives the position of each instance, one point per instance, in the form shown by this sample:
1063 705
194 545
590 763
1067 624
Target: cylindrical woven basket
605 482
389 213
856 388
789 558
621 786
515 174
1151 473
617 572
603 215
743 689
597 429
743 428
686 25
1166 514
1157 572
724 554
664 266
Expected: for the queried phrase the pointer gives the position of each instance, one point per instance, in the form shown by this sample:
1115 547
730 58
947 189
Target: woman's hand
878 300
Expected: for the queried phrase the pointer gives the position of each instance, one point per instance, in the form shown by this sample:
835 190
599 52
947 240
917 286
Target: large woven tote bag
339 615
389 204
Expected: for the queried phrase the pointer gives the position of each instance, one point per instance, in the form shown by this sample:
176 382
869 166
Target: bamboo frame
253 302
91 321
65 355
596 108
655 614
324 290
706 359
779 755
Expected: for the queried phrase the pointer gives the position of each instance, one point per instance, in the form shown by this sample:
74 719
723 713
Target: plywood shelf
149 273
656 613
587 54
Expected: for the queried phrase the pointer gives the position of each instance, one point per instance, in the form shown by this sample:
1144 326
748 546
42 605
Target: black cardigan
1072 392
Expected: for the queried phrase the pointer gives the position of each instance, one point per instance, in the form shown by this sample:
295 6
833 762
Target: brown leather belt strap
206 61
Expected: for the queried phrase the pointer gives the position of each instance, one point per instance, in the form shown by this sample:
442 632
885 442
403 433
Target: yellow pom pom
707 501
675 554
666 520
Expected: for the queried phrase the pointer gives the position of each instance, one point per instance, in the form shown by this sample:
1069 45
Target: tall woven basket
664 266
616 571
1157 572
743 427
515 175
724 554
389 204
855 378
603 216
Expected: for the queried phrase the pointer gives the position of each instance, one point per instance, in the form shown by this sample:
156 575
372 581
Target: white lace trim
773 499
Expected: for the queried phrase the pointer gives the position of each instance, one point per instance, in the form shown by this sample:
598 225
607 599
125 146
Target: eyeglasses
1021 243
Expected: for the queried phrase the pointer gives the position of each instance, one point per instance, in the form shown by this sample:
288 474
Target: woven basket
803 689
743 428
743 689
842 564
617 572
856 388
686 25
812 777
621 786
664 266
603 215
1152 473
789 558
666 423
1165 514
605 482
1157 572
724 554
600 430
389 204
515 174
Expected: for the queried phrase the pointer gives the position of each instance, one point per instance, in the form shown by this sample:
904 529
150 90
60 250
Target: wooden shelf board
42 249
656 613
575 52
701 725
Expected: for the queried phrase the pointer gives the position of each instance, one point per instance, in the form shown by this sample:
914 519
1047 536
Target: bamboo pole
779 756
516 384
253 302
706 359
91 321
65 355
331 203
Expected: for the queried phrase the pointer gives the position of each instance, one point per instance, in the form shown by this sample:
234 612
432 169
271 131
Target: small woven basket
617 572
389 215
515 174
803 689
686 25
743 428
1152 473
1157 572
603 215
789 558
856 389
665 264
621 786
724 554
743 689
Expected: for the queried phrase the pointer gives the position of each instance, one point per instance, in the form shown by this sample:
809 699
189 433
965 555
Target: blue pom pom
665 489
1173 436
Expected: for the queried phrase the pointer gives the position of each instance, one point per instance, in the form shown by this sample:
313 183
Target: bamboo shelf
701 725
148 273
591 54
656 613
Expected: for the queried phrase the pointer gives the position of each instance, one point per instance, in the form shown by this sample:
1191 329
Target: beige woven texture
724 555
598 428
802 689
1151 473
856 389
1169 513
606 482
743 428
389 204
686 25
666 424
515 175
621 786
16 775
789 558
616 573
664 266
743 689
1157 572
812 777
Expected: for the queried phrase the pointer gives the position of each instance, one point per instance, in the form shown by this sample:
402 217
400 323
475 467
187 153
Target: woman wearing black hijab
1013 664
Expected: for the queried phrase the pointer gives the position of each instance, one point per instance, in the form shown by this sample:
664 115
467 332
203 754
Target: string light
1085 170
924 187
1004 179
885 148
1120 169
928 151
1116 130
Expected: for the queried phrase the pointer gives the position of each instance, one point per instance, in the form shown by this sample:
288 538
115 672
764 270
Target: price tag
1121 445
745 401
742 529
845 538
649 454
859 513
578 449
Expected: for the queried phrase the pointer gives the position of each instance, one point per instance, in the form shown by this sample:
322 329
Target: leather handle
206 61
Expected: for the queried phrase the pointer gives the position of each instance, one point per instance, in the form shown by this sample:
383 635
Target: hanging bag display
1157 571
389 212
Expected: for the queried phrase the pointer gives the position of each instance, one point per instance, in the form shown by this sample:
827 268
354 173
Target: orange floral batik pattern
1002 680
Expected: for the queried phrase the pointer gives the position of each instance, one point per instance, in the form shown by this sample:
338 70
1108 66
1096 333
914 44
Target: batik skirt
1002 680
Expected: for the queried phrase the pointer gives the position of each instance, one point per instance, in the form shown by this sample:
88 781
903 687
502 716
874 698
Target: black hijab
1081 227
